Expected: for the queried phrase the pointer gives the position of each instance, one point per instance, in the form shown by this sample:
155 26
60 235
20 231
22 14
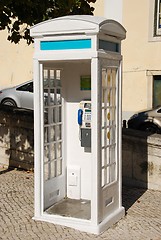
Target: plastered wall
15 62
141 56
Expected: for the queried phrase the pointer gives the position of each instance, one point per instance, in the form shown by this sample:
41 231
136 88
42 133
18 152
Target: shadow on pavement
5 169
130 195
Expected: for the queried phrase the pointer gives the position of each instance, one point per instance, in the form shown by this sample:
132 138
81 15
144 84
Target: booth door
54 182
110 140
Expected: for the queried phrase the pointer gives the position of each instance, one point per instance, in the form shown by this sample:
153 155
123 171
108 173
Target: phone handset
80 115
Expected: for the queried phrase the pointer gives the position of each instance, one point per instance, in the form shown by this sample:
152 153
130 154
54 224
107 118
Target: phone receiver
80 113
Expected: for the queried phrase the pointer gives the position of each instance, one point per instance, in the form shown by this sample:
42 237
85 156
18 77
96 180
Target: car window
28 87
159 110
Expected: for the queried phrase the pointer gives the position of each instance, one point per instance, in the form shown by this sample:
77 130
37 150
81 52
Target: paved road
142 220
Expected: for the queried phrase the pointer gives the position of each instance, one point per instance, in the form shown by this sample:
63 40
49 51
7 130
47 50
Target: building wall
140 50
141 56
15 62
99 7
113 9
16 65
141 53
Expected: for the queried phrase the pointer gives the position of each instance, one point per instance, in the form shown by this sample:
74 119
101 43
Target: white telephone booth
77 110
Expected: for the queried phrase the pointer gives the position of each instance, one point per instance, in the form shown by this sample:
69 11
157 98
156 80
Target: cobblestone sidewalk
142 220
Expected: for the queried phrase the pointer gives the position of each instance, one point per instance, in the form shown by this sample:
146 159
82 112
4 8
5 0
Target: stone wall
141 152
16 137
141 159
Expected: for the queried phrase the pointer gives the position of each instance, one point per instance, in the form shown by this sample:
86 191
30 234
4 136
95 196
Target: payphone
84 121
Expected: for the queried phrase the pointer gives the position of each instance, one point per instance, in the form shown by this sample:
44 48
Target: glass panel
46 136
104 96
112 155
46 171
52 133
157 91
58 98
114 135
46 103
108 136
53 115
112 172
108 117
108 46
103 157
114 78
50 120
59 114
113 97
58 132
104 85
53 151
59 167
112 115
45 116
50 76
52 97
103 179
53 169
108 175
103 137
103 118
109 82
45 77
46 153
108 155
59 150
104 78
52 124
159 14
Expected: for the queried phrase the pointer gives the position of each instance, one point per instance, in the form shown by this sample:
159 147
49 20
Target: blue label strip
65 44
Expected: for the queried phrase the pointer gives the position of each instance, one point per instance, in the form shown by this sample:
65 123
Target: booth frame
98 59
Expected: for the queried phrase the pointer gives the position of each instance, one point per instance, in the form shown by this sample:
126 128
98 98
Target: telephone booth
77 111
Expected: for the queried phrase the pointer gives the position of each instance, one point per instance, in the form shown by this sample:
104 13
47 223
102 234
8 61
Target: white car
19 96
148 120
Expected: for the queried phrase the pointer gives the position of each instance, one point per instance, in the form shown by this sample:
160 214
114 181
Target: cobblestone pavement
142 220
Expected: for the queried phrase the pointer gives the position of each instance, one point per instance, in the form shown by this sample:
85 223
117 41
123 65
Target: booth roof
78 24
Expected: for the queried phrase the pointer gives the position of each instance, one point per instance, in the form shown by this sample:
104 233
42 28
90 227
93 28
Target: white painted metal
95 178
120 133
74 182
87 176
84 24
75 155
37 142
110 129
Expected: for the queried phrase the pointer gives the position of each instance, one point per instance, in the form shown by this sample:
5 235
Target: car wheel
150 127
9 102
